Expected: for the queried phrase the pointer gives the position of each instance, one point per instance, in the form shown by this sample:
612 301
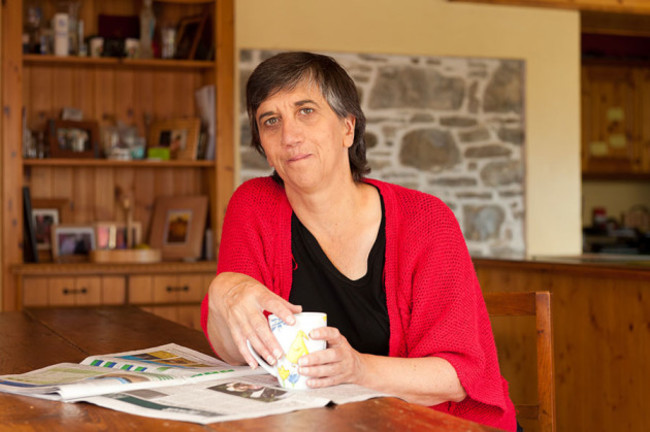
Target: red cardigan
435 305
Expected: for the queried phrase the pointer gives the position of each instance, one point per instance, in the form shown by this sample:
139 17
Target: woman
387 264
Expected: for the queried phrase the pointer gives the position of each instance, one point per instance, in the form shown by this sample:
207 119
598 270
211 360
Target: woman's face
303 139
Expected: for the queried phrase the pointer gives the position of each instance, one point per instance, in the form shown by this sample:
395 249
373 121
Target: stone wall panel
452 127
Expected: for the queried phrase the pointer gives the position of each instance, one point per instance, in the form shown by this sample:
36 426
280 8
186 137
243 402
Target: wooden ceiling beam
617 6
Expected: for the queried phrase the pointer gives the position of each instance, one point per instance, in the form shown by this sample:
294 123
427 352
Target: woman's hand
338 364
237 305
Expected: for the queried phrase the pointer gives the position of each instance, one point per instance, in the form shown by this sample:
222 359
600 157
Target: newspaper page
226 399
164 365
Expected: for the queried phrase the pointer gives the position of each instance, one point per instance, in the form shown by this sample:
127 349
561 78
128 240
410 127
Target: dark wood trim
572 266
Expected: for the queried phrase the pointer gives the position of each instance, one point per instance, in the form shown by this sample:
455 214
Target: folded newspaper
176 383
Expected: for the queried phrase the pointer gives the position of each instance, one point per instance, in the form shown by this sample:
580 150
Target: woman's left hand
338 364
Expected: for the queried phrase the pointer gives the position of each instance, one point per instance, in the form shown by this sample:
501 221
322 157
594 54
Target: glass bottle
147 25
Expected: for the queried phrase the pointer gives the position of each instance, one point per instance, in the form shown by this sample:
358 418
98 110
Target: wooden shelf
50 162
185 1
87 268
35 59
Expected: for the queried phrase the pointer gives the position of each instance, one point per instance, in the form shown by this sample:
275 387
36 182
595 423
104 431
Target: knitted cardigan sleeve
249 235
441 308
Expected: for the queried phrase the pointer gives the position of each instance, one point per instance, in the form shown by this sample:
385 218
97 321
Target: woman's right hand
236 314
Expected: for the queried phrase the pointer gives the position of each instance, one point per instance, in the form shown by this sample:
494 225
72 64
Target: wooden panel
207 279
619 6
104 96
41 183
643 78
10 150
140 289
168 312
108 90
195 286
189 316
35 292
601 321
87 291
124 89
63 183
614 24
104 195
60 292
165 289
225 55
113 290
610 127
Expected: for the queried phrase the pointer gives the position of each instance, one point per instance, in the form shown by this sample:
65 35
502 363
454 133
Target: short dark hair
285 71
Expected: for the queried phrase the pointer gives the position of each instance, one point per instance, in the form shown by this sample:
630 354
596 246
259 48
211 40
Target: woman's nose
291 132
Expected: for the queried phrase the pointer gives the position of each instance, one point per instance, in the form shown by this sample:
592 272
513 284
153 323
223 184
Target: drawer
73 291
185 288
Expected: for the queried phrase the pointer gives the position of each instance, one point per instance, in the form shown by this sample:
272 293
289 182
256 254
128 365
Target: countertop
624 264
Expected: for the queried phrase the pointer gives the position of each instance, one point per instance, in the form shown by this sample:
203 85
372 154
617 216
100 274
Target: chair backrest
536 304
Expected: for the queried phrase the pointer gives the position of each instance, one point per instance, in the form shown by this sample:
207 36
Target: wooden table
40 337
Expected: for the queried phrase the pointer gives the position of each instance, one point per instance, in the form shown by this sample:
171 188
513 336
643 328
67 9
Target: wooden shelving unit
109 90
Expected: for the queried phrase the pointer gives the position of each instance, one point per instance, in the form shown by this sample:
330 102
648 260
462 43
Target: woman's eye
271 121
306 110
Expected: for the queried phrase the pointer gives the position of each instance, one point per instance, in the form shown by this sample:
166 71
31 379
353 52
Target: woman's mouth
298 157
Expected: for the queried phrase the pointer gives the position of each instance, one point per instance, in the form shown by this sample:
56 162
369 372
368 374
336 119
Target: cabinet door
178 289
87 291
35 292
113 290
70 291
610 126
140 289
644 116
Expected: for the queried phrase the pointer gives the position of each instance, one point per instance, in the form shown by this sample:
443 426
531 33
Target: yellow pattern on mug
298 347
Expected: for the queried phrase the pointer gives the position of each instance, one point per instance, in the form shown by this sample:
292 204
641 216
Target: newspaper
176 383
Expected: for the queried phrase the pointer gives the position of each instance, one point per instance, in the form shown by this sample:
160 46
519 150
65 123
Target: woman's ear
349 123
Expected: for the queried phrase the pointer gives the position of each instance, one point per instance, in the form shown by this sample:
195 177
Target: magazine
176 383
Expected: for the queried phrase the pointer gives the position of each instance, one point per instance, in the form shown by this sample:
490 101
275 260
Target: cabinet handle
67 291
177 288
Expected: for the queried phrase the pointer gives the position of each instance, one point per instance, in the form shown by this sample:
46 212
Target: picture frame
114 235
73 139
30 251
178 226
205 45
72 242
45 213
190 32
180 137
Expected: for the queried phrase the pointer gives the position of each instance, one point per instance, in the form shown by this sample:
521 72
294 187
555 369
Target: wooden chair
536 304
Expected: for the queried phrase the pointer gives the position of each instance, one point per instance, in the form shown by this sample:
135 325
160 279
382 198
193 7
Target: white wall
548 40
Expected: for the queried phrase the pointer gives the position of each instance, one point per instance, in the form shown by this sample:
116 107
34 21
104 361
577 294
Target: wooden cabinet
73 291
615 117
171 290
610 126
173 297
109 90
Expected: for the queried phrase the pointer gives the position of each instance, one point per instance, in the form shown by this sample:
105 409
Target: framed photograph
116 235
179 136
45 213
205 45
72 242
178 226
190 32
30 250
73 139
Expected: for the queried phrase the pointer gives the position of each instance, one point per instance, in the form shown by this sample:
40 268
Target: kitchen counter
601 323
599 263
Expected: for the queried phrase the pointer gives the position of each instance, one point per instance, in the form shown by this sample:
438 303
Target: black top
356 307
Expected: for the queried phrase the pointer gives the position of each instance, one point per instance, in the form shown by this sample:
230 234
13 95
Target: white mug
295 343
